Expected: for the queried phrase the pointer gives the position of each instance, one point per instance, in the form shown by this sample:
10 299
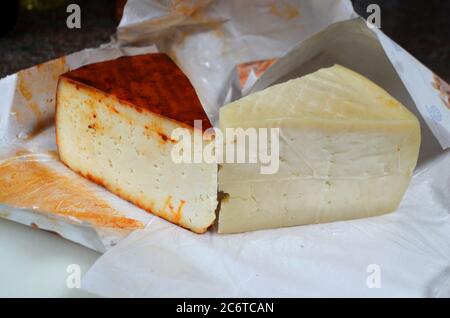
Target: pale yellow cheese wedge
347 150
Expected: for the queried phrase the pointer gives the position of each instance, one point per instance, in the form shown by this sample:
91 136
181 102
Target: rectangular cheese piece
114 122
347 150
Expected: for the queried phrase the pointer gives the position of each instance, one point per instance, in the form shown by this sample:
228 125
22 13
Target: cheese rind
109 137
347 150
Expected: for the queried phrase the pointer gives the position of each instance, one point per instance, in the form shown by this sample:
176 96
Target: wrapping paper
207 39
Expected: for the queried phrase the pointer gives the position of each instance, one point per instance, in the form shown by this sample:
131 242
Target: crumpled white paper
207 39
404 254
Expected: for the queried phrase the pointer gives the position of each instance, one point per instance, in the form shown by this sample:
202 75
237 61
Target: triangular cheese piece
347 150
114 122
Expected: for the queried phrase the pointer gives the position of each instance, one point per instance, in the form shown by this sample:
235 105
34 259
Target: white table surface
33 263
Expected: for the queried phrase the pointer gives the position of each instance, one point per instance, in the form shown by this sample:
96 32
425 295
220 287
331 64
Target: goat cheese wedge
347 150
114 122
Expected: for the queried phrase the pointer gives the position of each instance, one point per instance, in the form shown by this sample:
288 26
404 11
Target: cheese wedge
347 150
114 122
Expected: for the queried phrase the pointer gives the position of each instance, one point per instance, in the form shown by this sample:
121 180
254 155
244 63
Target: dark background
422 27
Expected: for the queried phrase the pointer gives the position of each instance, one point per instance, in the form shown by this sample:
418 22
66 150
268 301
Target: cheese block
347 150
114 124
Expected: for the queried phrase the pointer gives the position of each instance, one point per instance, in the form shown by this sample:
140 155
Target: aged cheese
114 122
347 150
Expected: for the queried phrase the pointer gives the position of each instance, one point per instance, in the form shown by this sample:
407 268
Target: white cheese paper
404 254
207 39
